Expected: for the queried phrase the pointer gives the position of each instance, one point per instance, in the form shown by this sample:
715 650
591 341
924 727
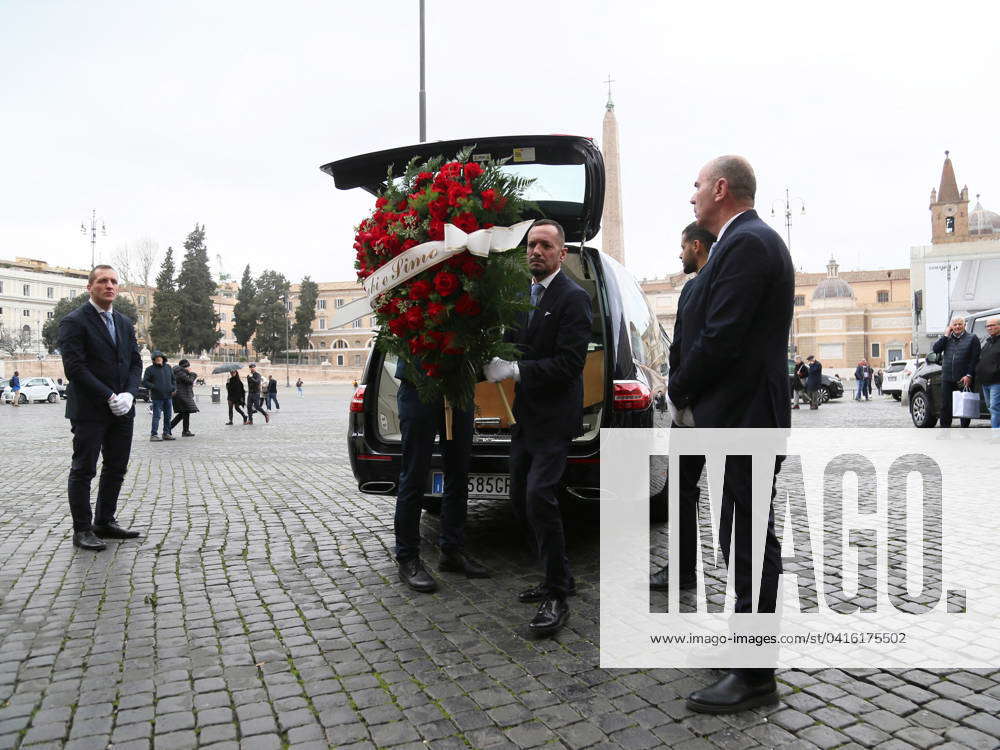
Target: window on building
339 302
322 324
340 360
26 313
26 290
142 299
876 351
142 317
356 323
50 293
800 300
830 352
321 304
1 287
893 354
26 333
357 360
882 296
949 225
50 315
340 344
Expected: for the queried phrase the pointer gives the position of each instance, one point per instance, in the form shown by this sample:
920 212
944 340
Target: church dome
833 287
982 221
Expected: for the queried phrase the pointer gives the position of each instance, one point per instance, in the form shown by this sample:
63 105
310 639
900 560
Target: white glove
128 399
681 417
117 405
500 369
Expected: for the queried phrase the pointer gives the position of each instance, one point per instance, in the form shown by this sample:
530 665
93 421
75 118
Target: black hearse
626 363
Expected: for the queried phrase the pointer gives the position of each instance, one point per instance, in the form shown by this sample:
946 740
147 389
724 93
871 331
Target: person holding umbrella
184 403
236 395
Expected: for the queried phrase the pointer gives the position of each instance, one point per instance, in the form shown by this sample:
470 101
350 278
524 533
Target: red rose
438 208
420 289
452 169
467 305
456 261
446 283
488 197
424 177
397 326
380 202
472 170
466 222
472 269
456 192
390 308
408 244
436 230
501 204
414 318
435 310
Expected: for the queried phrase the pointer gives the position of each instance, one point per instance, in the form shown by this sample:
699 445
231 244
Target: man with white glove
101 360
548 410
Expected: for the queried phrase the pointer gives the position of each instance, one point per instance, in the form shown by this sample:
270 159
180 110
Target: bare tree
8 341
145 257
121 259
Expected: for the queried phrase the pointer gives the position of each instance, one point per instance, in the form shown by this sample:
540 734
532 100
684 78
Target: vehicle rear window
896 366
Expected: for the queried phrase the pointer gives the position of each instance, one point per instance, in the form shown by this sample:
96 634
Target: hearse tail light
358 399
631 395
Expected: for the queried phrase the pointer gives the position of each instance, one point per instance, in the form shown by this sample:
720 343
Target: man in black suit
740 311
695 244
548 411
101 360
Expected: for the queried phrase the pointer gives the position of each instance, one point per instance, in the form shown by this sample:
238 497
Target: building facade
959 272
345 348
29 291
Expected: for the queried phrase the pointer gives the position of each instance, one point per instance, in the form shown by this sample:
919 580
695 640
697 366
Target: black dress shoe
87 540
551 616
660 580
456 561
114 531
415 575
187 434
540 593
733 693
228 422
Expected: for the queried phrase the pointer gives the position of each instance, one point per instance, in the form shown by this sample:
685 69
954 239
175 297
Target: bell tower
949 208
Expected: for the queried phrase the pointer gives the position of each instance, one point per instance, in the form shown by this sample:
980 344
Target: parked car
142 394
34 389
925 386
626 362
896 377
4 382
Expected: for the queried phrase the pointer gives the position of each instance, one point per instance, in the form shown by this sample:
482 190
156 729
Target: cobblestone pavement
261 610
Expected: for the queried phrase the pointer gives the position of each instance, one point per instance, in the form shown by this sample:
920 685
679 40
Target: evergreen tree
163 317
305 314
272 320
245 310
197 323
50 331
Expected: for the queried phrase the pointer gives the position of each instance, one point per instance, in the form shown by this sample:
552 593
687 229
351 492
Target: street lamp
93 234
284 303
789 202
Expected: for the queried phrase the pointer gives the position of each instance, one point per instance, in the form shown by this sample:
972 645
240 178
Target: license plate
480 485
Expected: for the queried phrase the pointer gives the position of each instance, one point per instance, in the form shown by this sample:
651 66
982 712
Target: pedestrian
988 371
184 403
272 393
695 245
253 395
869 374
814 380
235 395
860 375
548 411
101 360
799 375
159 380
15 389
878 380
298 386
959 352
740 311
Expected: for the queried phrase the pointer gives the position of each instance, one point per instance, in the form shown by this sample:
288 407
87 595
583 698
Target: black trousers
253 404
737 508
948 387
112 441
690 493
184 417
238 408
534 480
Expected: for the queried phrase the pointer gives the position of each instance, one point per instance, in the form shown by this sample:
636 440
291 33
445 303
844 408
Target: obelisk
612 241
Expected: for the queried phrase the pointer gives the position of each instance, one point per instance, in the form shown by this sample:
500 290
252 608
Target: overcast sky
160 115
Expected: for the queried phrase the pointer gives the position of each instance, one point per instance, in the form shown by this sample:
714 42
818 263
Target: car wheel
920 410
52 398
23 399
824 394
898 396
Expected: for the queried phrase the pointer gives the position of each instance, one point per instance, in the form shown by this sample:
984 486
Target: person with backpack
15 389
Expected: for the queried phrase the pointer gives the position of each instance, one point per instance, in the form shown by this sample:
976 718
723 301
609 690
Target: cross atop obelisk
612 234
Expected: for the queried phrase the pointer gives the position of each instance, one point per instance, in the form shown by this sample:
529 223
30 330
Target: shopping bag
965 404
